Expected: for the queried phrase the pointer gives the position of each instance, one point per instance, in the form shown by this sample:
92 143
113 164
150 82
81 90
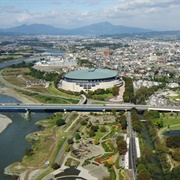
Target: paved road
132 147
79 107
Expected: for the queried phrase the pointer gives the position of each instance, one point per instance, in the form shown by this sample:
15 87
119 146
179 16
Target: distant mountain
108 28
36 29
95 29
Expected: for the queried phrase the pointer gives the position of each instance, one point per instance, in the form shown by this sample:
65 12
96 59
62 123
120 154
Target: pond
171 133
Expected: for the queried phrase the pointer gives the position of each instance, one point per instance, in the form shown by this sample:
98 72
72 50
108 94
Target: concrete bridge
80 107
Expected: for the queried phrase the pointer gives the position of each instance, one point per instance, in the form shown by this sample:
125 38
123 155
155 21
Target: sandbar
4 122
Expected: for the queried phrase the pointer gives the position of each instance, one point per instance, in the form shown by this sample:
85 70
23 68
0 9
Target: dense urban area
112 144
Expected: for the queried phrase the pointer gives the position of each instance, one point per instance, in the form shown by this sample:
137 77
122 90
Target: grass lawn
49 170
49 99
108 146
9 57
114 129
53 90
15 80
170 119
15 71
100 134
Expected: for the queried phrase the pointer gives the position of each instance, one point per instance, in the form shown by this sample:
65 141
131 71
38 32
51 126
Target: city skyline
149 14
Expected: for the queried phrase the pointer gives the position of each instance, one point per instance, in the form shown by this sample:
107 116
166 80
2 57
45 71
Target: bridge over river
80 107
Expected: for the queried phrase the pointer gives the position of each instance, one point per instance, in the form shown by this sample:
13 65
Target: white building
90 79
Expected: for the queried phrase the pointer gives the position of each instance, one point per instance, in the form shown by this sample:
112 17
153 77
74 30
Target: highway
10 107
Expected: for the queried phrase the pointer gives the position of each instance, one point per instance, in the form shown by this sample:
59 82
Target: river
47 51
12 139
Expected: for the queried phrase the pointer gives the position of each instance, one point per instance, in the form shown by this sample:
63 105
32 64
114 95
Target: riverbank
4 122
10 92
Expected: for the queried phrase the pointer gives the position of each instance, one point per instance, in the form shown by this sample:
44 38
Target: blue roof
88 74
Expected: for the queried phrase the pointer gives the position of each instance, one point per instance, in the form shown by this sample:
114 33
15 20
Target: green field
170 119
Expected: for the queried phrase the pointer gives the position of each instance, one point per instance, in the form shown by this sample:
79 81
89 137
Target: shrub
29 152
60 122
55 165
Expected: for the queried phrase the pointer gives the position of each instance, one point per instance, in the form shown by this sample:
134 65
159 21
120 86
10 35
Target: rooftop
87 74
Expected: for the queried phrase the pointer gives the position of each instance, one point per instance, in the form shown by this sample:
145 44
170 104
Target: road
11 107
132 147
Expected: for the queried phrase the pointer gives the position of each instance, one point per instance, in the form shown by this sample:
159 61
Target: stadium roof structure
91 74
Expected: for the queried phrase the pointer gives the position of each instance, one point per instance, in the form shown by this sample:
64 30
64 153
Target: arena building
90 79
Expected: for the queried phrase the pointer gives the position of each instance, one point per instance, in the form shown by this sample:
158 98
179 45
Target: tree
70 141
29 152
113 111
173 141
77 136
94 128
176 154
154 170
91 133
60 122
83 122
122 147
115 92
102 129
140 167
96 141
137 126
175 174
143 174
123 122
55 165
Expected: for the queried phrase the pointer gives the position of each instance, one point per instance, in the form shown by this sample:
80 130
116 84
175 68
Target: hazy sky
151 14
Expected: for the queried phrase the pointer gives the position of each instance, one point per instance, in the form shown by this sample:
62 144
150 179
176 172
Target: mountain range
102 28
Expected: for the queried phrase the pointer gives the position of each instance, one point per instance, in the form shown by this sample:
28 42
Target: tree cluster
128 95
147 167
160 148
121 145
174 174
173 141
98 94
122 119
137 125
48 76
150 115
143 93
92 129
23 64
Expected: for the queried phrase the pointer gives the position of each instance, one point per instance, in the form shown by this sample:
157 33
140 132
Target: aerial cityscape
89 95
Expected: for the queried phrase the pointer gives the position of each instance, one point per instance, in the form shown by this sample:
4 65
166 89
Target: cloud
139 13
10 9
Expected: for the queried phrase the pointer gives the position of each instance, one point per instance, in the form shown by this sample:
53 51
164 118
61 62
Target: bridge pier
28 112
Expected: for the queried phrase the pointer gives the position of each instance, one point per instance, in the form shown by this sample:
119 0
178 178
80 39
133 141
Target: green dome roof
88 74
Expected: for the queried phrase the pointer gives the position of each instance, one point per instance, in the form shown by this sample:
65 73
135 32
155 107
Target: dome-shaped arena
90 79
